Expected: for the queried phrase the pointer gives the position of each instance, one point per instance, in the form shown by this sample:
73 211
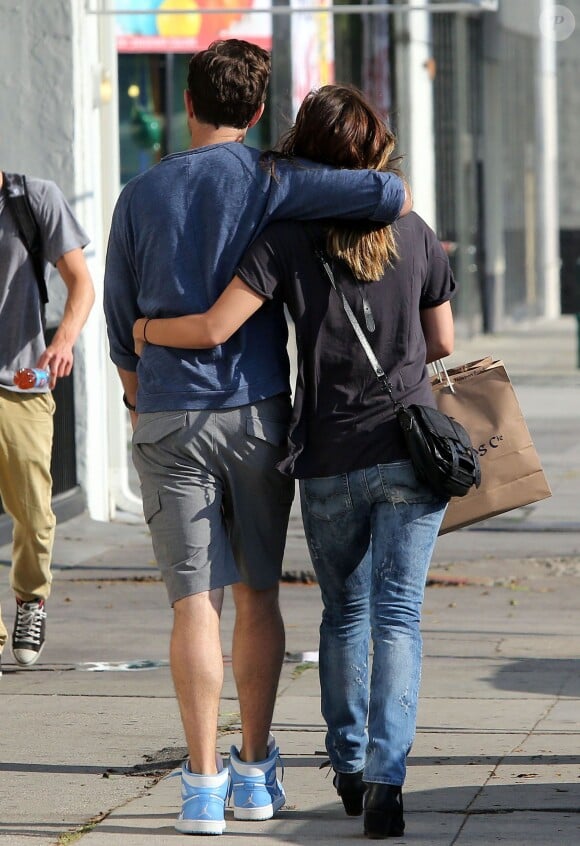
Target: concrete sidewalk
90 731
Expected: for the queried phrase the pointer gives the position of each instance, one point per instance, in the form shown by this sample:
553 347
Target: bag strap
17 200
378 370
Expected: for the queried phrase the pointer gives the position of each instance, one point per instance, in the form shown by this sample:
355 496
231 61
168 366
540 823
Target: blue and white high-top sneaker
255 789
204 800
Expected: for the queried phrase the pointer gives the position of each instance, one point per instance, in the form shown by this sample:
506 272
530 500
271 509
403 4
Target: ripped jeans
371 535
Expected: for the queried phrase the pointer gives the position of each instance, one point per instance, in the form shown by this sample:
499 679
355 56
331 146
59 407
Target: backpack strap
17 200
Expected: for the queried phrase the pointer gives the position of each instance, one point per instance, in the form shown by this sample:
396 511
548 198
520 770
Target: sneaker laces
270 746
282 768
278 762
326 764
29 619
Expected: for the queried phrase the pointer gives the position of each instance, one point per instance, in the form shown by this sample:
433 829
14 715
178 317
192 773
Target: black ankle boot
351 789
383 806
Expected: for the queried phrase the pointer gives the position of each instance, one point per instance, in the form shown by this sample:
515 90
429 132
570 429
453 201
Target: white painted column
122 497
90 387
415 128
104 460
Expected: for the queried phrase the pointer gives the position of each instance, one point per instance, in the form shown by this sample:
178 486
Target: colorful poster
312 50
180 26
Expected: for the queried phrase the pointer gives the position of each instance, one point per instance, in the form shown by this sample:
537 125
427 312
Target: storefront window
152 118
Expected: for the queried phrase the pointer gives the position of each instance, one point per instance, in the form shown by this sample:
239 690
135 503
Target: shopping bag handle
440 372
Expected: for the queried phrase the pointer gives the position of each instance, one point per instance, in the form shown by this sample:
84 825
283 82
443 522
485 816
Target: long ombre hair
336 125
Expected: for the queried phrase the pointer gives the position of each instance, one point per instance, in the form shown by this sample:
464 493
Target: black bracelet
127 404
145 329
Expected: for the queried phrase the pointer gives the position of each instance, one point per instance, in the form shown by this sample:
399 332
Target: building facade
485 103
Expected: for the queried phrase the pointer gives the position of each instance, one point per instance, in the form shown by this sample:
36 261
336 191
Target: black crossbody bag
440 448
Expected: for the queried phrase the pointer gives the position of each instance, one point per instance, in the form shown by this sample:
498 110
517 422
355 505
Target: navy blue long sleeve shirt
177 236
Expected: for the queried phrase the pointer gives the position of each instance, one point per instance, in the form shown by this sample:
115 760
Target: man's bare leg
257 656
197 669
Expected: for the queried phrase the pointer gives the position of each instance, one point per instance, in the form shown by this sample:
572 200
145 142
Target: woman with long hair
370 525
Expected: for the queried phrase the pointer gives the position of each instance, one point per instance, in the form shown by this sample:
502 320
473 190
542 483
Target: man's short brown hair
228 82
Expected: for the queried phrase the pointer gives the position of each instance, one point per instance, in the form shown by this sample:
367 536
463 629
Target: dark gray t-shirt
342 419
21 336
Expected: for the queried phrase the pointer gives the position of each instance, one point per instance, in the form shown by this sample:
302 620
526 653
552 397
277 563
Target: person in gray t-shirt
26 415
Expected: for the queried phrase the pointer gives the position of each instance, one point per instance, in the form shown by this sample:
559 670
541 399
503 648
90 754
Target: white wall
415 128
50 128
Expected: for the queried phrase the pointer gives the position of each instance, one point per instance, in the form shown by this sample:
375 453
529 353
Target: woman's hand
138 339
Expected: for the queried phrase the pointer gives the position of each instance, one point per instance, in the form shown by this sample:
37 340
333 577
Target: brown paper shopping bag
484 401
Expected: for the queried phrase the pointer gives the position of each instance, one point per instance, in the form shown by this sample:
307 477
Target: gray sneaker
29 631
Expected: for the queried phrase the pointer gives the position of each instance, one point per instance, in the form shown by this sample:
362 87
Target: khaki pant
26 430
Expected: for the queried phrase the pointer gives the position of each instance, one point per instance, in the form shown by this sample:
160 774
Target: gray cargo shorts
216 506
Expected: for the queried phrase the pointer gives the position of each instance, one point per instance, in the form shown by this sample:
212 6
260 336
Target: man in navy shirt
209 425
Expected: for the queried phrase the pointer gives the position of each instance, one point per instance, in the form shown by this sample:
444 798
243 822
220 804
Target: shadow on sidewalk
552 676
518 814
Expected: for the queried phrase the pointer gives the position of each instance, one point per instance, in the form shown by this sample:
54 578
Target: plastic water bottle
31 377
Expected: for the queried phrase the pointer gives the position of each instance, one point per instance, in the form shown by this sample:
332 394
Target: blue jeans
371 535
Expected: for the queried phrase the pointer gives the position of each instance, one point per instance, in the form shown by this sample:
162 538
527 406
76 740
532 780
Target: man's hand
58 356
408 201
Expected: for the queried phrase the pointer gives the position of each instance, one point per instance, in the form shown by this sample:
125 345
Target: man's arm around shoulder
303 190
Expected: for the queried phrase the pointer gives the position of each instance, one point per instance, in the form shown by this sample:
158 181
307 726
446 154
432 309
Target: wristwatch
127 404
